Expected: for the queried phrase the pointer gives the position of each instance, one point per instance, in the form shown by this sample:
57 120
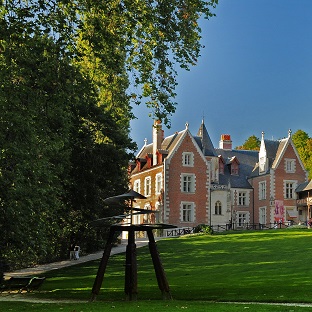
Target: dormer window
221 165
234 171
234 165
149 160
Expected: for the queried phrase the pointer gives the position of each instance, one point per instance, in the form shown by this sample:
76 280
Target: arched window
218 208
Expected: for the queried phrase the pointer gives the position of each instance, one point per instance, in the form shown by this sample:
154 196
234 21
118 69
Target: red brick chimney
158 136
225 142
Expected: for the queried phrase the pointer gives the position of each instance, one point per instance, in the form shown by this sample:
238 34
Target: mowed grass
203 272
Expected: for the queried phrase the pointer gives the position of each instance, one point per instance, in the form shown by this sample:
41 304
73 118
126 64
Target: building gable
286 150
186 133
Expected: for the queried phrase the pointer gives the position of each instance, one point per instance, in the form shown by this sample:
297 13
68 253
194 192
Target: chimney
225 142
158 136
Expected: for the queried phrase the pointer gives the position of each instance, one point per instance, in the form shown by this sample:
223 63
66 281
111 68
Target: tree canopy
303 144
70 72
252 143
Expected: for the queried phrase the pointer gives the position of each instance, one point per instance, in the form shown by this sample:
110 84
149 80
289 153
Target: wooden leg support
101 271
131 280
159 270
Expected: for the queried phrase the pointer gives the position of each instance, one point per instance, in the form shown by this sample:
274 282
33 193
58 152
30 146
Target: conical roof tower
206 144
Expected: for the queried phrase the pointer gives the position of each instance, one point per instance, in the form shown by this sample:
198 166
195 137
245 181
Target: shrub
203 228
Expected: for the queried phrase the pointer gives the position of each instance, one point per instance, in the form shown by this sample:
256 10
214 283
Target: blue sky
254 75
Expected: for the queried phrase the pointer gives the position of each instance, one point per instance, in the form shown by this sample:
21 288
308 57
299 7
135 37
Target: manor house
187 181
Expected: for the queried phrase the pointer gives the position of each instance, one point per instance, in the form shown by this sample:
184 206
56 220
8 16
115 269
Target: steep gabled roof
274 152
170 142
167 145
279 153
182 135
204 142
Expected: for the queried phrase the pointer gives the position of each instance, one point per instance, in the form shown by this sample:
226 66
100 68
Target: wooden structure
131 259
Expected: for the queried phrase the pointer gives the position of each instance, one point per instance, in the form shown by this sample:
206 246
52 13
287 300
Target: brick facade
189 182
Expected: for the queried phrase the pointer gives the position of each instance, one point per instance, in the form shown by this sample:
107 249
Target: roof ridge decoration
263 159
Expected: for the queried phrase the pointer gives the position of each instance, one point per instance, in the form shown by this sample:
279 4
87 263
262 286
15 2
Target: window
158 183
187 213
234 170
188 159
262 215
262 190
188 183
147 186
218 208
289 189
290 165
136 186
242 219
242 198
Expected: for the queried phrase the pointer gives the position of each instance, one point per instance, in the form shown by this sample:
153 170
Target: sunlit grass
267 266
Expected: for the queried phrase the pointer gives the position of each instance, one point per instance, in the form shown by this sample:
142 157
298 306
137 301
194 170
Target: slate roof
247 160
204 142
306 186
167 145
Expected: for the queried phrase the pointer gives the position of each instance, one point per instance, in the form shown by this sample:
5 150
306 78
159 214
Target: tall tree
148 39
68 71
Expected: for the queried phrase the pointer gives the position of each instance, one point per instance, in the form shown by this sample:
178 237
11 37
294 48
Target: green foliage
252 143
67 74
203 228
303 144
255 267
147 39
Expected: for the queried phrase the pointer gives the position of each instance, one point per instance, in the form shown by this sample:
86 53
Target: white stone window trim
192 182
147 190
158 183
137 186
240 220
242 196
294 185
218 208
188 159
290 165
262 190
262 214
192 211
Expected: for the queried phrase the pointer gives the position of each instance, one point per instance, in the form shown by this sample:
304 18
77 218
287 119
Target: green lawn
203 271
